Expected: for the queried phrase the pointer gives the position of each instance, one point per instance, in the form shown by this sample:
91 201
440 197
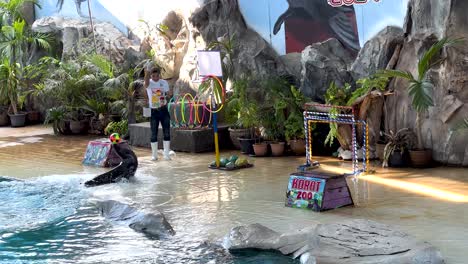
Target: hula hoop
176 101
183 108
223 94
173 123
200 123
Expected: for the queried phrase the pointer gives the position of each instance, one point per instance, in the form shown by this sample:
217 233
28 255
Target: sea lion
338 21
125 169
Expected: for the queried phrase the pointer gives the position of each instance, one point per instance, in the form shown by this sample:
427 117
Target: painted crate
101 153
317 191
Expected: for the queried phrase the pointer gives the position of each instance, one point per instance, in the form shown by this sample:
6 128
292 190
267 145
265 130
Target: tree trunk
345 136
131 110
371 111
420 145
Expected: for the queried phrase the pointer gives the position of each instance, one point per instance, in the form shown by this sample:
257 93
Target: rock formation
323 63
153 224
427 22
223 18
76 38
350 242
377 52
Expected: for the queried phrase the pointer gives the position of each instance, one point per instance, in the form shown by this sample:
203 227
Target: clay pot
260 149
298 146
421 158
277 149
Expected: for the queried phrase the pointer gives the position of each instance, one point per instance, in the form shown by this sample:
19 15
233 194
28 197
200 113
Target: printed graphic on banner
157 98
97 153
305 192
338 3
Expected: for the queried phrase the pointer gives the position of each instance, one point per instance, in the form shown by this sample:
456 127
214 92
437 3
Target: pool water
53 220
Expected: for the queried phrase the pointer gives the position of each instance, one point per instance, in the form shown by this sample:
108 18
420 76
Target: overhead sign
338 3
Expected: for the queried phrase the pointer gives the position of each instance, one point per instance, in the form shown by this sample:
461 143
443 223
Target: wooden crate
317 191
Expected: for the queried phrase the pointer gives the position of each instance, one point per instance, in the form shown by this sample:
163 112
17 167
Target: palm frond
462 125
396 74
104 65
426 61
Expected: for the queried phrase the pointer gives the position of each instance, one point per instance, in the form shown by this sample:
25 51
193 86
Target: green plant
337 96
366 85
226 46
14 40
9 82
105 66
238 100
122 90
56 116
400 141
294 127
120 127
463 125
420 86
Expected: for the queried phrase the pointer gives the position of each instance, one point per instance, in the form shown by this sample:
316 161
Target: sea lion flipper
340 23
280 21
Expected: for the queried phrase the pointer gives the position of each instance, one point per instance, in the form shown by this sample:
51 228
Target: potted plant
56 115
4 112
9 78
294 126
242 112
16 39
295 133
420 89
396 150
380 146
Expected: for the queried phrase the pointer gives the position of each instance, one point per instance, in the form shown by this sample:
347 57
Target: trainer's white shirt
157 92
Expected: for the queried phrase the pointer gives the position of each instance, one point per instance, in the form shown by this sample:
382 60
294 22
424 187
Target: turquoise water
53 220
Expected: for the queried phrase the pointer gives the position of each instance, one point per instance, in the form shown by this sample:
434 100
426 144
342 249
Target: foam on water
27 204
53 220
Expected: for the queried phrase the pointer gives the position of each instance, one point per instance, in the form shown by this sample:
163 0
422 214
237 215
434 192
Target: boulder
426 22
352 241
223 19
153 224
323 63
377 52
76 37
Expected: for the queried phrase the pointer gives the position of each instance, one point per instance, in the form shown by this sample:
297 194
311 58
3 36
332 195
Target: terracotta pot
421 158
277 149
236 133
379 150
298 146
260 149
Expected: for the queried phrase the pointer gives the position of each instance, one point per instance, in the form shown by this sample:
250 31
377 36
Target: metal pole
215 124
92 25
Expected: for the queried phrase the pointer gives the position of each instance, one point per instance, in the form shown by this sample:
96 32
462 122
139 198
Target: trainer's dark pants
160 115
